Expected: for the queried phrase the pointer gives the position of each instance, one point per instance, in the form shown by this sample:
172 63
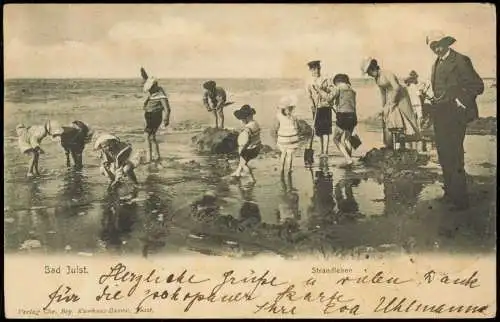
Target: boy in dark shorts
155 104
249 143
346 119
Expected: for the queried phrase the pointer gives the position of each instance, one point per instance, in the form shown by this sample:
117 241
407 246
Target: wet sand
186 203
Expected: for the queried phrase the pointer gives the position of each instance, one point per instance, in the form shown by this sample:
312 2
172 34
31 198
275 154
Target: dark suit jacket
462 82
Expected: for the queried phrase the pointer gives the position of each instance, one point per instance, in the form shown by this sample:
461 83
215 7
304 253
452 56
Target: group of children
117 159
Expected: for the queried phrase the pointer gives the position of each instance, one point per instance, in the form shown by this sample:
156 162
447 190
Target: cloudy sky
229 40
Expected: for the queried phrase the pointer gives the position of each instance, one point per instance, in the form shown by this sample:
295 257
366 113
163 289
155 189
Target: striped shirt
250 135
317 89
288 133
153 102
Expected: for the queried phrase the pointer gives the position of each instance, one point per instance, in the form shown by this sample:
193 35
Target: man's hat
244 112
440 38
314 64
209 84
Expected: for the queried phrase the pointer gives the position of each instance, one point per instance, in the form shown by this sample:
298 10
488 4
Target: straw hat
101 138
149 83
440 38
366 63
287 101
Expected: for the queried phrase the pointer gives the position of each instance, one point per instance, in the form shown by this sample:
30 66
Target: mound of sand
216 141
223 141
388 159
483 126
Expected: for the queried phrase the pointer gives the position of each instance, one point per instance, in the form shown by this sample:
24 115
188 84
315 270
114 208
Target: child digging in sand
116 157
249 143
286 131
30 138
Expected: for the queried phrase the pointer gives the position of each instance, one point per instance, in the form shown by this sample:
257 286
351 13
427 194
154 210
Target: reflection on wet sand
324 209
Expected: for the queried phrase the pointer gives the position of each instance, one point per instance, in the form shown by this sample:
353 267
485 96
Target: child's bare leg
237 172
322 144
216 119
220 113
150 146
129 170
290 161
156 145
250 172
327 143
283 160
37 159
68 162
32 165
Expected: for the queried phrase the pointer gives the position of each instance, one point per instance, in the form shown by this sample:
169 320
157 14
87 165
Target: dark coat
462 82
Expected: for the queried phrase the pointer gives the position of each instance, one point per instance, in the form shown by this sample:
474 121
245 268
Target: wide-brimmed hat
149 83
209 84
440 38
365 64
101 138
287 101
314 64
344 78
244 112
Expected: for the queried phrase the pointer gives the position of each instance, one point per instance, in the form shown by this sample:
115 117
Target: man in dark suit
456 85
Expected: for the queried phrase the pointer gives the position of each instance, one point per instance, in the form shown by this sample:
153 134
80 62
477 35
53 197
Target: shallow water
321 209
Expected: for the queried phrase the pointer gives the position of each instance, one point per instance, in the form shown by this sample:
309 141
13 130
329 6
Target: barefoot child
346 119
116 158
249 143
214 100
286 130
30 138
318 90
156 103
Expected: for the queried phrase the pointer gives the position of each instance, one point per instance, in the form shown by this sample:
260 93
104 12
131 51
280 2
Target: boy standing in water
214 100
116 158
346 119
249 143
317 90
154 105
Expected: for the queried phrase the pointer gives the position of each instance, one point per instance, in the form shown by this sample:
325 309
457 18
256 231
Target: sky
236 40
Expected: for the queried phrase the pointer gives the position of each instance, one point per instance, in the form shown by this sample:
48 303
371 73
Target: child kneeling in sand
249 143
30 138
286 131
116 157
